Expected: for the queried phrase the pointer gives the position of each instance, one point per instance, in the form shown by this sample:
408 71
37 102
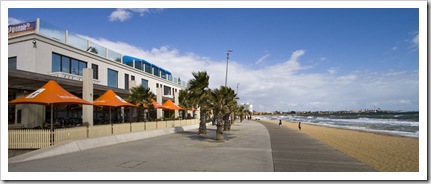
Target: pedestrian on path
299 125
279 124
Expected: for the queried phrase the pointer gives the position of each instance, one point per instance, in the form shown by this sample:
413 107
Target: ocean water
395 123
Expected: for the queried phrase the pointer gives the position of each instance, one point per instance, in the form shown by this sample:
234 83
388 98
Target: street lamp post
237 88
227 61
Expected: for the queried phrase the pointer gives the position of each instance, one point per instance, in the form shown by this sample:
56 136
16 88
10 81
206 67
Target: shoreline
384 152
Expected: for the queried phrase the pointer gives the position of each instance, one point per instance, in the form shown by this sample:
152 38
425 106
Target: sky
283 59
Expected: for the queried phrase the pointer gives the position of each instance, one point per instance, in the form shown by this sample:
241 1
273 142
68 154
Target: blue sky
283 59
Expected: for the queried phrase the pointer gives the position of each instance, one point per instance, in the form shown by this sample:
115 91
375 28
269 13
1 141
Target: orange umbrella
158 106
110 99
171 105
49 94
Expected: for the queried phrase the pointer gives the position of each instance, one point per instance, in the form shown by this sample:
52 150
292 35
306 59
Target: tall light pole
237 88
227 61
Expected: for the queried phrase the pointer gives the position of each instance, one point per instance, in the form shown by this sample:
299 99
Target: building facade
38 52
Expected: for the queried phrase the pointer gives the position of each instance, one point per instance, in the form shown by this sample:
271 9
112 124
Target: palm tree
240 111
142 96
199 95
224 103
184 98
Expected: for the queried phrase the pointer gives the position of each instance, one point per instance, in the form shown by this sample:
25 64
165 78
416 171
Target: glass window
130 63
156 71
167 90
138 65
56 63
112 78
65 64
133 78
148 68
163 74
69 65
126 81
144 83
12 63
95 71
75 67
81 66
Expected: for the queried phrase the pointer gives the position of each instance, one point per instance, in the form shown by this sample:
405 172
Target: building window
12 63
95 71
126 81
130 63
112 78
156 71
148 68
81 66
67 65
133 78
144 83
163 74
138 65
56 63
167 90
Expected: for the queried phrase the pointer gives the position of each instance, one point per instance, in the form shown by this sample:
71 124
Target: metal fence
41 138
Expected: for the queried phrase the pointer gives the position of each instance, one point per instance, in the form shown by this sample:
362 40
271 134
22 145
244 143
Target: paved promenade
249 147
245 148
293 151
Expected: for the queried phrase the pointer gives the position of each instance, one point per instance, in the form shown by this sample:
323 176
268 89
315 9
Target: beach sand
382 152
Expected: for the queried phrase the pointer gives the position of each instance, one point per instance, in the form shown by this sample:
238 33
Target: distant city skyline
285 59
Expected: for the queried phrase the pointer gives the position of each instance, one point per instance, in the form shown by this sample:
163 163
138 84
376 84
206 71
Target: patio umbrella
110 99
172 106
49 94
158 106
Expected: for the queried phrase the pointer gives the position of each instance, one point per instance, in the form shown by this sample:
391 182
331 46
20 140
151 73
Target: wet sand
382 152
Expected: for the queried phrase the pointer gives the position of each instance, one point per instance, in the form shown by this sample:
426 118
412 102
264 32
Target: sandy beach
383 152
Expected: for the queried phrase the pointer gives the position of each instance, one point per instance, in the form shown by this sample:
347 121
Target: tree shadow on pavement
210 137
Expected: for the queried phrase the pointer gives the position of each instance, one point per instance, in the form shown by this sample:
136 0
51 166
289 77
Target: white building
39 52
248 107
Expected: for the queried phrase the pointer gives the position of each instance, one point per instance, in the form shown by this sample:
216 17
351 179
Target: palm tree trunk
219 131
202 123
226 122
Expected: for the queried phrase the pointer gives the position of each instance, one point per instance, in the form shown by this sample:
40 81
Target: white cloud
283 86
332 70
261 59
120 15
415 40
12 21
123 14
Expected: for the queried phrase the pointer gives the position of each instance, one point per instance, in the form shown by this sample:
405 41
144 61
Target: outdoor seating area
112 115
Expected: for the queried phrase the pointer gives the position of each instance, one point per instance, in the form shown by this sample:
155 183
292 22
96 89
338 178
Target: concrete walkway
245 148
249 147
293 151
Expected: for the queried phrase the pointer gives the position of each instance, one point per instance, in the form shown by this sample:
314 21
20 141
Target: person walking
299 125
279 123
